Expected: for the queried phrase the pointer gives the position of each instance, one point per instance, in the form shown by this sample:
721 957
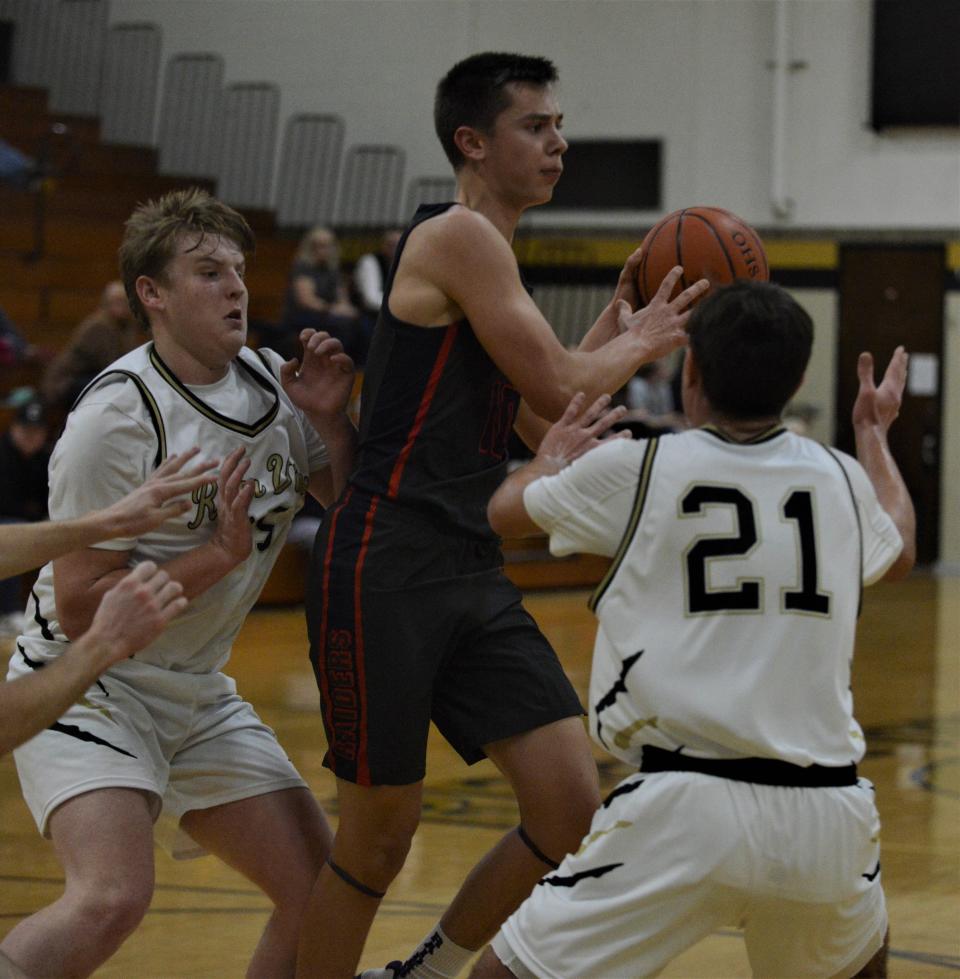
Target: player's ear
471 142
148 292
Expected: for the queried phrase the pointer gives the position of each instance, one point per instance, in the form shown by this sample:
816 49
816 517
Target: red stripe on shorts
429 391
325 604
363 762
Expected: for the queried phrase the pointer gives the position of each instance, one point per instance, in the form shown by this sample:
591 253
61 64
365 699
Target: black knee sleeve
353 882
535 850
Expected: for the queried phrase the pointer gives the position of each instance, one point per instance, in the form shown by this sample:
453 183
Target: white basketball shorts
673 856
189 740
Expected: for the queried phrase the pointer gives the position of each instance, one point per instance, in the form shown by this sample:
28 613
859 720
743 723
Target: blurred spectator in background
103 337
15 348
24 454
369 276
649 397
16 168
317 298
799 417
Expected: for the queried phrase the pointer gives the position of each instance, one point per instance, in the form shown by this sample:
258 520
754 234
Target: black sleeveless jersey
435 417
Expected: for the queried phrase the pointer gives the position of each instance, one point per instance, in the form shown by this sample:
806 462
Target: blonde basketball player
166 728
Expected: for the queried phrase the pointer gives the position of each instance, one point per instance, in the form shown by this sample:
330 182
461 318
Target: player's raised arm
461 255
320 385
874 411
582 427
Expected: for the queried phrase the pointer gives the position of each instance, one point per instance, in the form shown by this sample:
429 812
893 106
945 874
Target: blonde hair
151 232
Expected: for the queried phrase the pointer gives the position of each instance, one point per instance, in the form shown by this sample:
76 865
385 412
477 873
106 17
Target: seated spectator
369 275
104 336
317 298
649 398
24 454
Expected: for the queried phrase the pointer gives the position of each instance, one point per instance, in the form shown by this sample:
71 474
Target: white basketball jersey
727 619
134 415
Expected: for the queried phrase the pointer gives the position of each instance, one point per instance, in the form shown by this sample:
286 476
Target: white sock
437 957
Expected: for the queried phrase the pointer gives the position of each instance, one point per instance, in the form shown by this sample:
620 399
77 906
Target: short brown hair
473 93
151 232
752 342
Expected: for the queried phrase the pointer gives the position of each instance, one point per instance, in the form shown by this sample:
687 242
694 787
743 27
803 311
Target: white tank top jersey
727 618
134 415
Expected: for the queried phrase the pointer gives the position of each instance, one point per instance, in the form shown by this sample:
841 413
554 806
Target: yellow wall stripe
597 252
802 253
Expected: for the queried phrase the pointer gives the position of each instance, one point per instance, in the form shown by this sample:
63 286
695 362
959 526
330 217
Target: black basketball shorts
408 625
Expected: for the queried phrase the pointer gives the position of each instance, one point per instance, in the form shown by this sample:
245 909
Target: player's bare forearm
32 703
873 453
328 484
82 579
165 495
30 545
507 515
530 427
582 427
874 411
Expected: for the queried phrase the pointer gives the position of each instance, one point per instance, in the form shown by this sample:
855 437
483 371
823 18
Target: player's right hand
233 531
662 323
579 430
879 406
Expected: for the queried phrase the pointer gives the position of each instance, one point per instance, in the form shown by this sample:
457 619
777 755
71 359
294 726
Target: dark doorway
6 52
889 296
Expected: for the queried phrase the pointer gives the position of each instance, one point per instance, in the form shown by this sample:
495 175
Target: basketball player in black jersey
410 616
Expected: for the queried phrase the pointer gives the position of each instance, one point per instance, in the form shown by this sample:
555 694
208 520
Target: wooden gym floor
205 919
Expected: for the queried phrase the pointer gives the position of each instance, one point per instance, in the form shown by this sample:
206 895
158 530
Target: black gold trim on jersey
153 409
39 619
643 485
765 436
856 513
242 428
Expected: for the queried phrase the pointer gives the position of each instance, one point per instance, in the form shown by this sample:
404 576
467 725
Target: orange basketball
709 242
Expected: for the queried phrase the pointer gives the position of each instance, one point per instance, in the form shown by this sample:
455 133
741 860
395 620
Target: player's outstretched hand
232 531
321 383
164 495
579 430
662 323
134 612
879 406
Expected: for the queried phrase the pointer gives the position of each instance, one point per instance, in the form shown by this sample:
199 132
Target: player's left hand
579 430
626 291
320 383
879 406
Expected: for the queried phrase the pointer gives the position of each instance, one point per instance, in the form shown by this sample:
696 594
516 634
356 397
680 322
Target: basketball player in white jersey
165 728
722 664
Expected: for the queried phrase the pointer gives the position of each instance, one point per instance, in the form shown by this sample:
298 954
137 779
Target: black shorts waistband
761 771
